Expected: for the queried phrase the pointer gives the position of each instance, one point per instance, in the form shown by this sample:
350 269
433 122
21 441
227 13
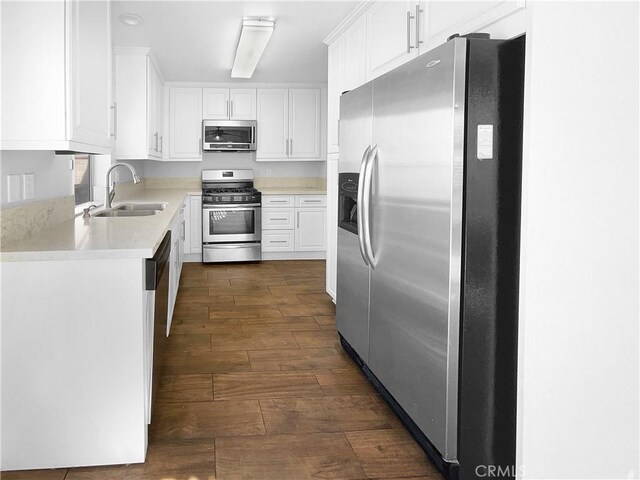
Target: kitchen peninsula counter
102 237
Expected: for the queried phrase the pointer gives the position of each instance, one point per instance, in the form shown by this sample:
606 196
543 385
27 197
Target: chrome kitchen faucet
111 192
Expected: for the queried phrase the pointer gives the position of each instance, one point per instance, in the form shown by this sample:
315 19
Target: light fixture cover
131 19
254 36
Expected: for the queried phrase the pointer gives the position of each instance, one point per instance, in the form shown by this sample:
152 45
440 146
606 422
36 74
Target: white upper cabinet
139 105
56 76
304 123
347 70
229 104
442 19
185 124
390 36
288 124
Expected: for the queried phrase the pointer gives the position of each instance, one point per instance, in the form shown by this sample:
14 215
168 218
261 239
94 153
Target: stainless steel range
231 217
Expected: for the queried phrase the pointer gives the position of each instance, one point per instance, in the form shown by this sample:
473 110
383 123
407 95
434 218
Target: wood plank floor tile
266 300
214 362
184 312
344 382
302 359
110 472
181 344
314 298
323 414
265 385
185 388
207 300
224 342
306 310
259 281
57 474
206 419
295 289
283 324
327 322
287 457
240 290
190 292
177 459
388 453
391 417
318 339
245 311
218 325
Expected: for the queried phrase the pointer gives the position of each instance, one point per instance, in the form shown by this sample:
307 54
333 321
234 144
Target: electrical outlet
29 185
14 188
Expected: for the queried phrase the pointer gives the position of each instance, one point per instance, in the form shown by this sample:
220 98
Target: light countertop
102 237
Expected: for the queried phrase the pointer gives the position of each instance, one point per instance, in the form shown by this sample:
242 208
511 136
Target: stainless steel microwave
228 135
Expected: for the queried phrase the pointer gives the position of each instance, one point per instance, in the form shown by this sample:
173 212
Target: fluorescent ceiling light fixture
131 19
254 36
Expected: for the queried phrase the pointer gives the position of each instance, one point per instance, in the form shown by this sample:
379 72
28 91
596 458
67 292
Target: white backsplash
29 219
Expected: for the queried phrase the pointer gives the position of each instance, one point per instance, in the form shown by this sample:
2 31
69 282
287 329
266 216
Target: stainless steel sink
126 213
141 206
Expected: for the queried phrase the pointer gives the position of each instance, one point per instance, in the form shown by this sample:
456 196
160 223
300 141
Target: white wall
231 161
52 173
578 363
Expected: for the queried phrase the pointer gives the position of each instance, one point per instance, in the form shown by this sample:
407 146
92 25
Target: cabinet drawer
277 200
311 200
277 218
277 241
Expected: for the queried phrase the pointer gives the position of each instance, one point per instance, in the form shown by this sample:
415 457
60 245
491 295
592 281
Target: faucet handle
86 211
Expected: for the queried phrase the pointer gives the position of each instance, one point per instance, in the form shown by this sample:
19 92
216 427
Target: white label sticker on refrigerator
485 142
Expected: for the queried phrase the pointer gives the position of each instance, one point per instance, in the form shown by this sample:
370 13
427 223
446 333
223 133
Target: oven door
231 223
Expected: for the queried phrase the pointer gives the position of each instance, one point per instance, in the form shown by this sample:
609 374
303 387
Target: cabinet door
215 103
390 36
195 224
273 123
159 111
185 123
89 46
334 90
310 229
242 104
152 114
132 137
304 123
277 218
441 19
187 225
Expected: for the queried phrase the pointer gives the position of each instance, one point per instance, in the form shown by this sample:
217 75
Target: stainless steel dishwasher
157 279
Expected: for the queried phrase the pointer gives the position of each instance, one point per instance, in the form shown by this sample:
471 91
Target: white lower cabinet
293 226
194 225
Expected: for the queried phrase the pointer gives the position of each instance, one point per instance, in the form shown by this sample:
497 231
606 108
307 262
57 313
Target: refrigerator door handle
360 204
366 196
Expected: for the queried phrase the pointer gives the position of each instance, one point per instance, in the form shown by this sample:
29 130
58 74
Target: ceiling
195 41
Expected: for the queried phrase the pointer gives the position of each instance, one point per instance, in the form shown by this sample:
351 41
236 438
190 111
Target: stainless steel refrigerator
428 216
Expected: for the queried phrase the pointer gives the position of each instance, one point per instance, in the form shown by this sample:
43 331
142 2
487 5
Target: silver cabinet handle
298 221
286 147
278 219
366 195
278 201
312 201
183 230
200 146
227 108
161 144
291 147
409 46
278 241
156 137
360 204
231 110
418 12
114 107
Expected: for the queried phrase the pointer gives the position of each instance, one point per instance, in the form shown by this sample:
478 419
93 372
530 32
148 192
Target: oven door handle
360 204
244 206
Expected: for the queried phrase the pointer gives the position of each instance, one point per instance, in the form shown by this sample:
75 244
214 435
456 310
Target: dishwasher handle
155 266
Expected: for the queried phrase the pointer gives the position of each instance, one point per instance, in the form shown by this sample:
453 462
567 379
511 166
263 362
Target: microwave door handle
360 204
366 210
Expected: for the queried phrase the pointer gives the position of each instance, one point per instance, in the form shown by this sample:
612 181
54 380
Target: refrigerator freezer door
416 225
352 299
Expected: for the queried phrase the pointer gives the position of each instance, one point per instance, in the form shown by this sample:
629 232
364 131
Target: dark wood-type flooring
257 386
